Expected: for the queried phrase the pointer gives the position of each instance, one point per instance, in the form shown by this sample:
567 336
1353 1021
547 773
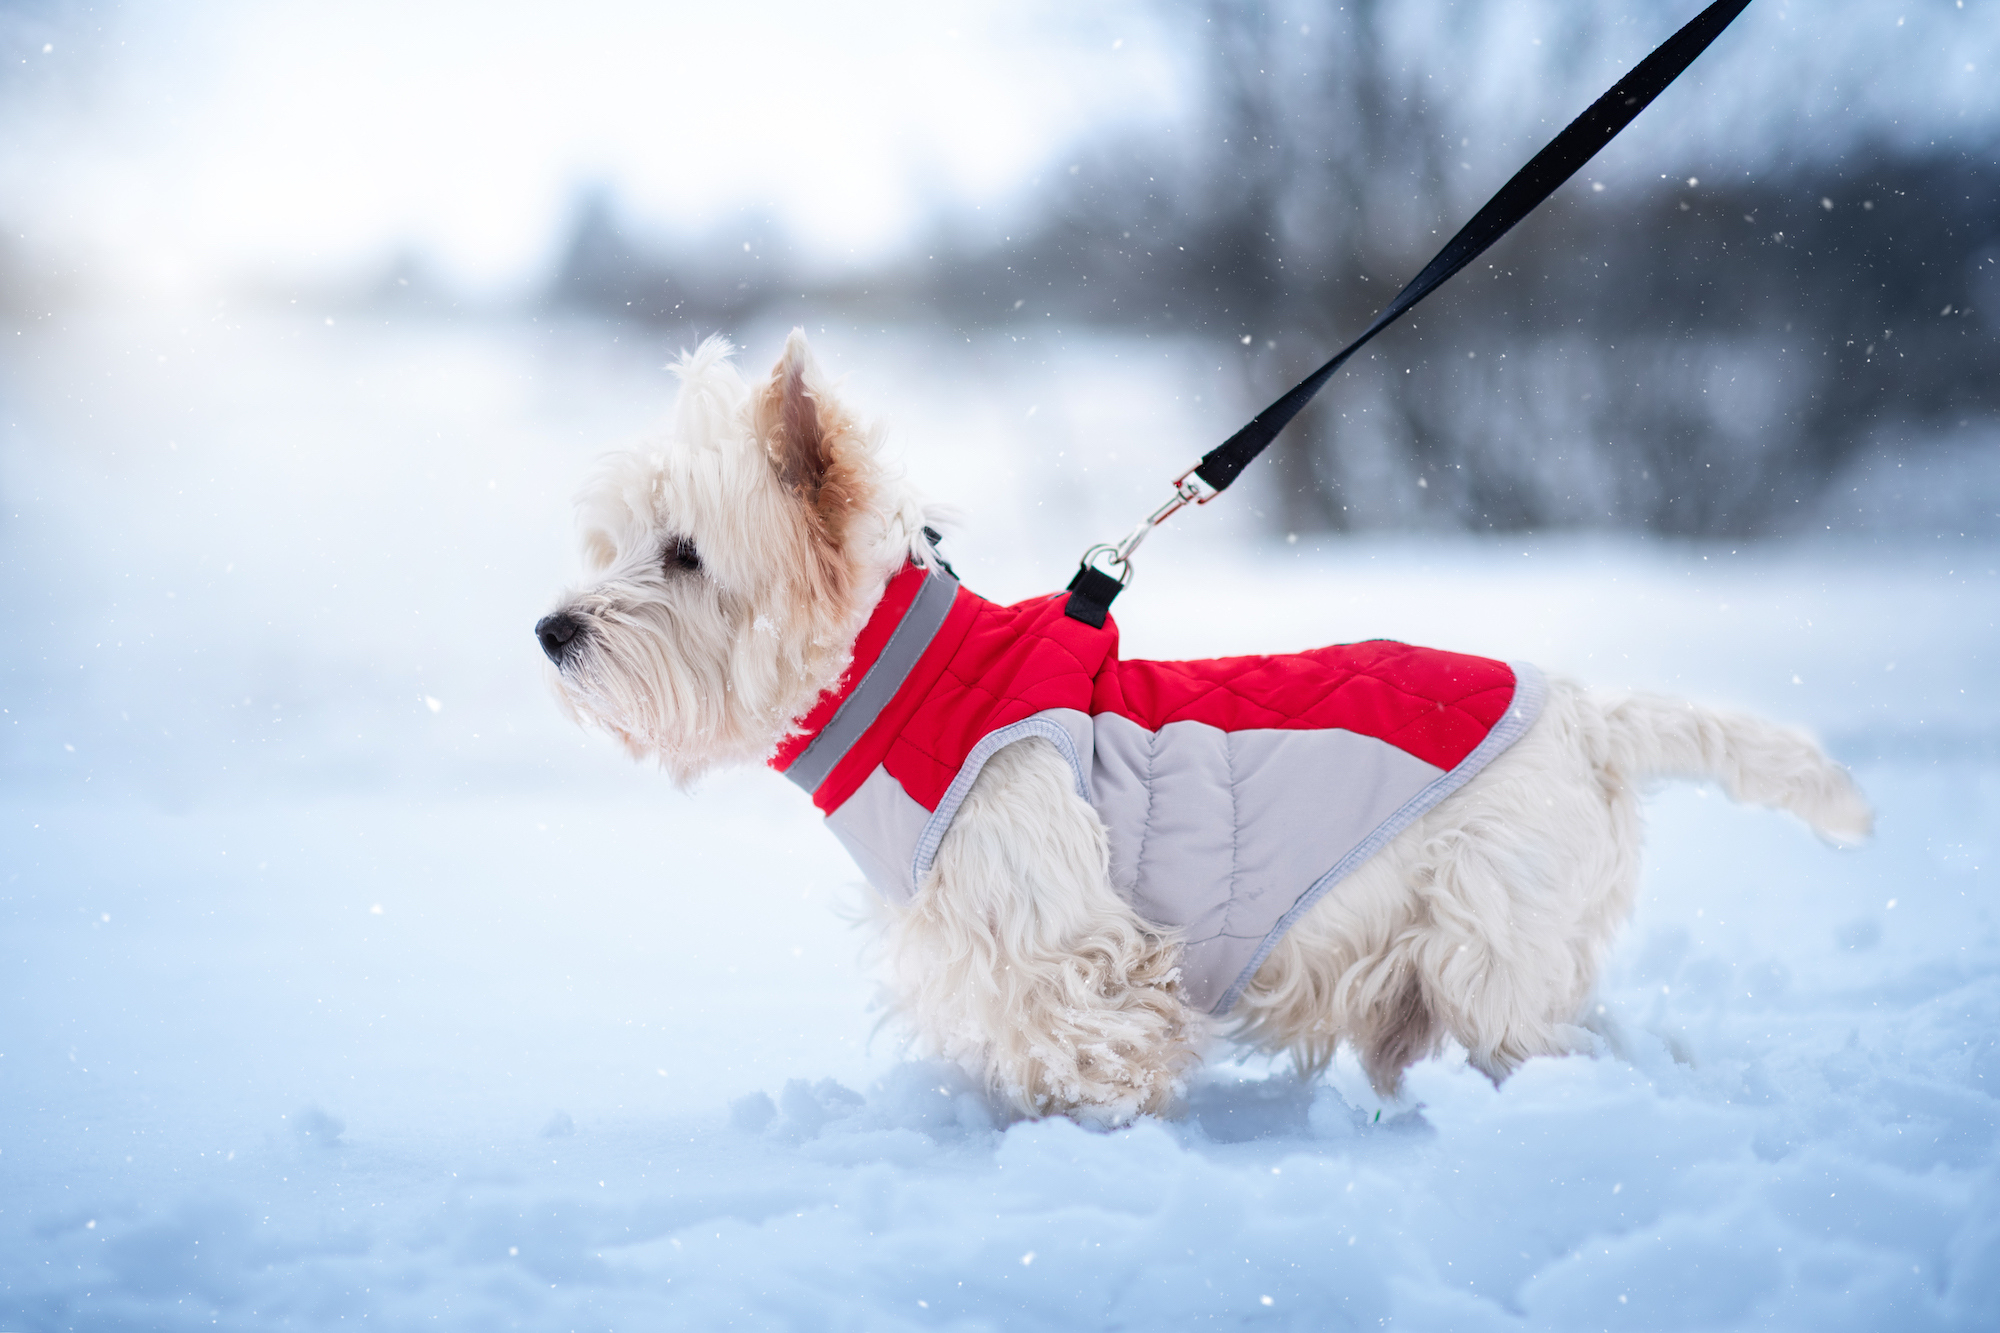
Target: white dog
1086 864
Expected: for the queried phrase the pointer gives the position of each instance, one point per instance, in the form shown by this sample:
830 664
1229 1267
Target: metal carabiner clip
1093 589
1189 489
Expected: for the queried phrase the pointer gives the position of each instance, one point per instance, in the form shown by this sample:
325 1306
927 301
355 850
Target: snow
344 982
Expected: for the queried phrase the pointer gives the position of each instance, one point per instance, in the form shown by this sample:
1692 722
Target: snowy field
344 985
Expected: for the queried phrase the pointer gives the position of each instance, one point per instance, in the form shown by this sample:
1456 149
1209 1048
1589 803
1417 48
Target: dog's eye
680 554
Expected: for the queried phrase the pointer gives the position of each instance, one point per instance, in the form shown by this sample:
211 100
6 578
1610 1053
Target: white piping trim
968 772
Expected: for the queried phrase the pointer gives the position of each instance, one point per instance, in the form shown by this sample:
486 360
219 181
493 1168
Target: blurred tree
1688 356
1687 359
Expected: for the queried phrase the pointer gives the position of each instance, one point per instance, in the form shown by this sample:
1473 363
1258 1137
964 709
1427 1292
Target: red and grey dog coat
1237 792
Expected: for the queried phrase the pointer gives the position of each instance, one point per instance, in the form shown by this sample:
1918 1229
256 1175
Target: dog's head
729 566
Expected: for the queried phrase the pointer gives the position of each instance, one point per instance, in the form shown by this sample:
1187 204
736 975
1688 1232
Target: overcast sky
169 149
235 136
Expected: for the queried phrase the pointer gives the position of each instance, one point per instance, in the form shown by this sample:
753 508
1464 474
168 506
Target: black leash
1093 589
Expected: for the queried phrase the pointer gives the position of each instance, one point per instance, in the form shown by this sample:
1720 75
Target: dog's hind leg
1475 962
1504 961
1019 960
1521 880
1400 1031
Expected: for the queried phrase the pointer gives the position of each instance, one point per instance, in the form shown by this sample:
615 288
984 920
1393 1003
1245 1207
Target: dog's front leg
1019 960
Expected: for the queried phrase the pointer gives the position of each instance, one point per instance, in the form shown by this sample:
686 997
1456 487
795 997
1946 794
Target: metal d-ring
1111 549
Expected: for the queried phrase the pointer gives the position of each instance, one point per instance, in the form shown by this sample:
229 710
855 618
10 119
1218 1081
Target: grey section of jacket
1217 833
1224 837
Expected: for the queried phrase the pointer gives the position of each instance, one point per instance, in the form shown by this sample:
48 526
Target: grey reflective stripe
879 686
1521 713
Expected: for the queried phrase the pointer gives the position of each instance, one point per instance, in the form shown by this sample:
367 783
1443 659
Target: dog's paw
1099 1087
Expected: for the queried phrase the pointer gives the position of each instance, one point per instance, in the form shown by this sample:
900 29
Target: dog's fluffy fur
733 566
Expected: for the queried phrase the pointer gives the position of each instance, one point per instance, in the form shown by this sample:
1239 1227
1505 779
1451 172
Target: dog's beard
676 677
655 676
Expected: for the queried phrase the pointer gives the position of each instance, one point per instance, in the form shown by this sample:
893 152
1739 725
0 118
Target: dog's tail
1649 736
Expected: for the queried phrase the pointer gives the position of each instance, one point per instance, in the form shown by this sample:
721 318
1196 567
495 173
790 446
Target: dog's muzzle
559 635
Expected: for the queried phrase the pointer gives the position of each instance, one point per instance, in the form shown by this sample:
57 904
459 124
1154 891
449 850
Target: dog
763 586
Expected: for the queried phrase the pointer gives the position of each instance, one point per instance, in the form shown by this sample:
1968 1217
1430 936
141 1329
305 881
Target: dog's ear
799 424
821 458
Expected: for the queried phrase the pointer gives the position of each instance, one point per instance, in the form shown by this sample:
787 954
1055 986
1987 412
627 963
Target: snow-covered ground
344 984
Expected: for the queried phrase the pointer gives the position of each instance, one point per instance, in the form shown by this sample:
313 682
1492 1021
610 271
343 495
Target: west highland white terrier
1093 866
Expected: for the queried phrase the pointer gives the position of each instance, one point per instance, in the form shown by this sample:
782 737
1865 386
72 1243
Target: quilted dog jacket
1236 792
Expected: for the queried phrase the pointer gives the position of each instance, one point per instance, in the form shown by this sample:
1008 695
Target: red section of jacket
990 666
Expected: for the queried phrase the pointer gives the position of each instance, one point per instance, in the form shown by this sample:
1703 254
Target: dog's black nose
557 633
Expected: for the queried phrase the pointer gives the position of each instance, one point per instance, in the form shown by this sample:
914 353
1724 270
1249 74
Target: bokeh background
343 978
1780 282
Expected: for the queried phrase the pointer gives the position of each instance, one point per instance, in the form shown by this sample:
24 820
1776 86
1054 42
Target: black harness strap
1556 163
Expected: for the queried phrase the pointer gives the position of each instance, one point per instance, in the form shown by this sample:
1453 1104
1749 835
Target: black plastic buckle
933 536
